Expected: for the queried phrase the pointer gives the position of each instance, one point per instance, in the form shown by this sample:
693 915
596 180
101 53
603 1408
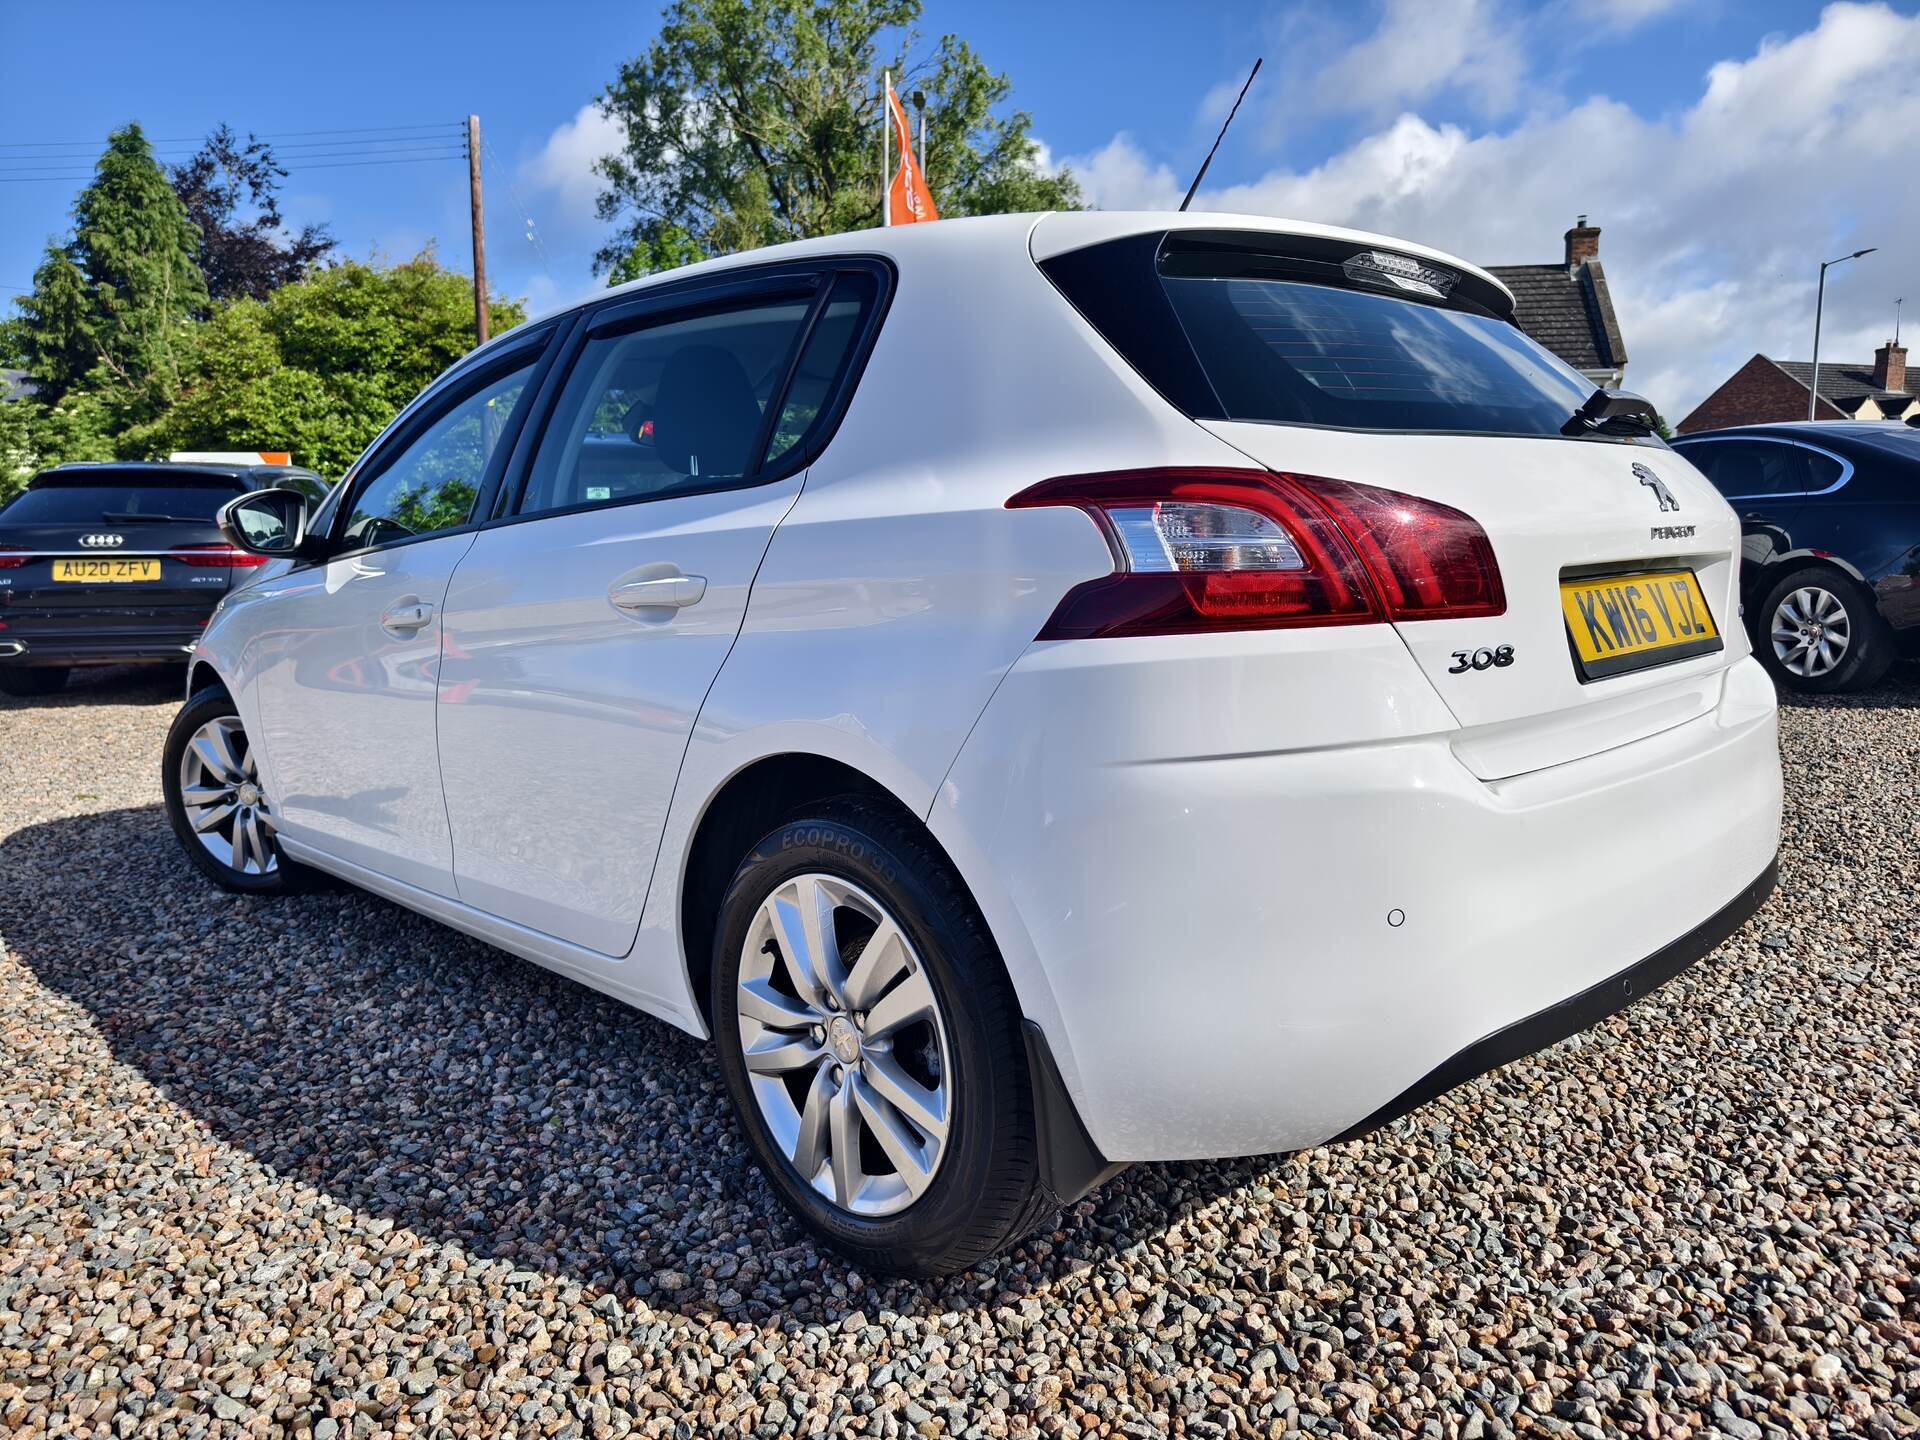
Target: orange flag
908 198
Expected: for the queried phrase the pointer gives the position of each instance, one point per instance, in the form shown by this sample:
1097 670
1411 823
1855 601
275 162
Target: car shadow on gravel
110 685
1899 689
424 1078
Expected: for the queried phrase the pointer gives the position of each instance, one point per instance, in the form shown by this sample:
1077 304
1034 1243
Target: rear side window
1294 340
1749 469
121 504
1823 470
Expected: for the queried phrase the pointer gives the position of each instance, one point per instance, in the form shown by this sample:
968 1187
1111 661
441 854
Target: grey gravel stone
321 1168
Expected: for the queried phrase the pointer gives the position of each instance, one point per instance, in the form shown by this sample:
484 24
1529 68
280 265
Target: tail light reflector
12 557
216 557
1199 550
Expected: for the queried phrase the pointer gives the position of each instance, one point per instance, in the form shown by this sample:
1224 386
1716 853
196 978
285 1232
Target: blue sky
1477 125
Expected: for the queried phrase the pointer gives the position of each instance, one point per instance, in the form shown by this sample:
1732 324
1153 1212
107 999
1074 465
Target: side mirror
266 522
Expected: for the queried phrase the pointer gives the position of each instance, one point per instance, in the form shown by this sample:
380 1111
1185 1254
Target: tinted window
1823 472
1748 469
1278 350
430 484
679 406
822 364
121 504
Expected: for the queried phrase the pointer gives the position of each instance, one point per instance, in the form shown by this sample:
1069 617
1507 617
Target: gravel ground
319 1167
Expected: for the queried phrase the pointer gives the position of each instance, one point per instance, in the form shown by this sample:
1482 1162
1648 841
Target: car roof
160 472
1808 429
1042 233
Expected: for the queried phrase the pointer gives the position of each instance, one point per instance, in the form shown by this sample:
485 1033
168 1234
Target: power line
356 164
199 139
513 197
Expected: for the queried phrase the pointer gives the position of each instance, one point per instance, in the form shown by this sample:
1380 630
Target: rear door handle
406 615
666 592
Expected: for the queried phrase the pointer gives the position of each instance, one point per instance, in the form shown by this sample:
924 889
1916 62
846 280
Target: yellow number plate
1624 622
95 571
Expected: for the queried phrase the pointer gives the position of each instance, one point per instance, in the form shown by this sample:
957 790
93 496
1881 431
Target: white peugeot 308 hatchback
1041 693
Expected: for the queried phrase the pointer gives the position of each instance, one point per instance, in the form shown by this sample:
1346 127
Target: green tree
112 307
321 365
753 121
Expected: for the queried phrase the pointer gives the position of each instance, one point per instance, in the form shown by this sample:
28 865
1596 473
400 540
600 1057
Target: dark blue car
1830 569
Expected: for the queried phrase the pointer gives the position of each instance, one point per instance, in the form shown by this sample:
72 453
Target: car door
1764 479
585 626
350 647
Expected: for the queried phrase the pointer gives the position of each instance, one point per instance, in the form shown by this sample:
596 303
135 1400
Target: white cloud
1424 47
564 166
1715 218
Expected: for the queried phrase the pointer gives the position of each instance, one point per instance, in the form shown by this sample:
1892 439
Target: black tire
1870 650
984 1192
29 680
285 877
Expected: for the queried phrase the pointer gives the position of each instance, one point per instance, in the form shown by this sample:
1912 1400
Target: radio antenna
1222 135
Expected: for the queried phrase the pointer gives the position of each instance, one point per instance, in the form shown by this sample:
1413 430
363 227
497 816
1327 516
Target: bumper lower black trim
1576 1012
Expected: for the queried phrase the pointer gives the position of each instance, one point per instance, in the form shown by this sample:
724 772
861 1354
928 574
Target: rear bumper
1234 951
67 645
1577 1012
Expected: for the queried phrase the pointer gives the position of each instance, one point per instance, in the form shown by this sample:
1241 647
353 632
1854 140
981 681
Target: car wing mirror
266 522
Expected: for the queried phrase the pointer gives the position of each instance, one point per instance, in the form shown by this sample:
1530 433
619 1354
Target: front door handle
666 592
406 615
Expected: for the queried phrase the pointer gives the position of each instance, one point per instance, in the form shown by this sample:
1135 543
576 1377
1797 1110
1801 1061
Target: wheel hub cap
843 1039
845 1045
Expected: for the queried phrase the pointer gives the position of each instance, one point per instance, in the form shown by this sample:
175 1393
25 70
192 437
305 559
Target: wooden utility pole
480 326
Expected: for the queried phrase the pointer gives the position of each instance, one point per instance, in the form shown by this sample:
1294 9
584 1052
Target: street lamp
1813 390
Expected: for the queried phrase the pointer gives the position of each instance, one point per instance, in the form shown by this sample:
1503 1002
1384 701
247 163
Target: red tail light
1204 550
216 557
12 557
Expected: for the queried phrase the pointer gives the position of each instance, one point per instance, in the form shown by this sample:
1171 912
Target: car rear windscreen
100 503
1289 339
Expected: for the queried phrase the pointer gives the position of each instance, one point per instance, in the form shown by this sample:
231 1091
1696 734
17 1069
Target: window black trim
448 393
696 295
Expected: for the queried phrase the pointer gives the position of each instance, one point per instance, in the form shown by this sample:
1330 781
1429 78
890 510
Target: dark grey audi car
110 563
1830 549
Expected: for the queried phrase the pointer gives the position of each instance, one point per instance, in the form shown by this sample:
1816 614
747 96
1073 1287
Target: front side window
680 406
431 484
1749 469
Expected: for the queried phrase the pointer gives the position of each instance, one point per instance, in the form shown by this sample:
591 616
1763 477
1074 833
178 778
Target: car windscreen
107 502
1291 352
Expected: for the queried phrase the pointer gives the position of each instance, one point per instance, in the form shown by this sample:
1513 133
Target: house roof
1567 310
1847 384
16 385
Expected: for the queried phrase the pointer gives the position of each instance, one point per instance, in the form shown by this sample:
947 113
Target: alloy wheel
845 1045
221 795
1811 632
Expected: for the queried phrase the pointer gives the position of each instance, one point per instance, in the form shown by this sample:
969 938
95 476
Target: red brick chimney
1890 367
1583 243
